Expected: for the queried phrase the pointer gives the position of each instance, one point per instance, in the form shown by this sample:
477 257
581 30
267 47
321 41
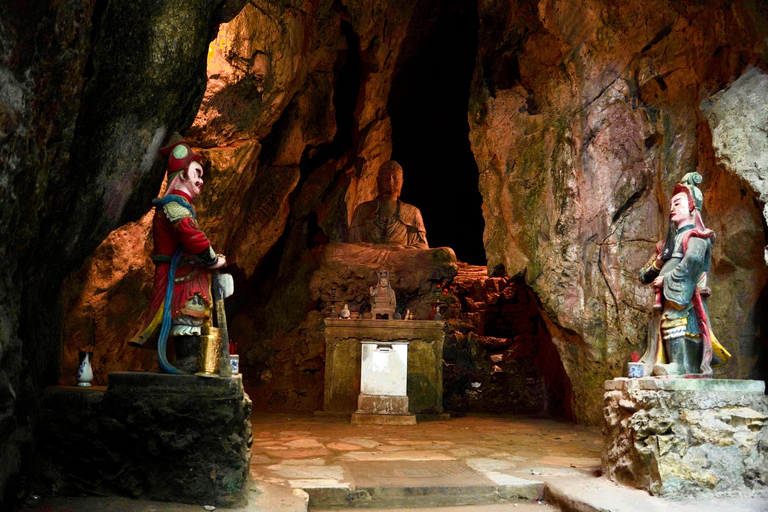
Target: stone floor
303 462
461 461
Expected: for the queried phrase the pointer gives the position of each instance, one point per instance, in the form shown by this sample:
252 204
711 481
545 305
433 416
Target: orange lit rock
103 304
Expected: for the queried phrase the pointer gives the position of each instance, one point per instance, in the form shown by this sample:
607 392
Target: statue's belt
184 260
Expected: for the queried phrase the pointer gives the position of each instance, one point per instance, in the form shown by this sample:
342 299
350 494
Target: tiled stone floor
514 446
318 453
298 453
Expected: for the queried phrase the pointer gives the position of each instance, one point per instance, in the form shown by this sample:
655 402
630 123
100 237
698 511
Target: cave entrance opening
428 107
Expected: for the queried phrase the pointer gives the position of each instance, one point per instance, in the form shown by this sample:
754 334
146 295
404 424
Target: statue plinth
164 437
679 437
343 351
347 272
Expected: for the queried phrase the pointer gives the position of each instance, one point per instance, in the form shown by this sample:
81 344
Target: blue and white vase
635 370
234 360
84 371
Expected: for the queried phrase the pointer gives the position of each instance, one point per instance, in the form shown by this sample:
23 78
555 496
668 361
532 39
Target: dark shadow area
428 106
276 299
753 340
499 356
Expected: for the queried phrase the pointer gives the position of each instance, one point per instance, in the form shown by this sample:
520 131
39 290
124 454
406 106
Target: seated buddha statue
386 220
384 233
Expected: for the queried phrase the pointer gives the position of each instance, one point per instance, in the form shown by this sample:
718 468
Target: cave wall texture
88 92
581 117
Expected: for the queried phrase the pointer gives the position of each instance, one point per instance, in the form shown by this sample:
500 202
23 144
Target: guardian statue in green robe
680 337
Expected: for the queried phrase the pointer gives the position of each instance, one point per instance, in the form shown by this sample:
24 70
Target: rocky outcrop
684 438
88 91
499 356
738 118
582 117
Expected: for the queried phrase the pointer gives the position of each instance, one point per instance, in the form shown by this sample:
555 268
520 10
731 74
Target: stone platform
678 437
177 438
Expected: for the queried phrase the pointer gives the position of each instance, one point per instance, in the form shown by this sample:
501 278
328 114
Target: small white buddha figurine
345 312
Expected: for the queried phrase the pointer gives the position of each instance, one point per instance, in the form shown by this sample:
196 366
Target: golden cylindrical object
210 350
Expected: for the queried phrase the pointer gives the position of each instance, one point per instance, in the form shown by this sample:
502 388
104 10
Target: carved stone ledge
177 438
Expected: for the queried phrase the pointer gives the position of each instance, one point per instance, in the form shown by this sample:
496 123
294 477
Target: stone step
580 494
504 507
417 484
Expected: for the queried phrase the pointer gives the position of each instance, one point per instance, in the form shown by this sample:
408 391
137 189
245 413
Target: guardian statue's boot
187 348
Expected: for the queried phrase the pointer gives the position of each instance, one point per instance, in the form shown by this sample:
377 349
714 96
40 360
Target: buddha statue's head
390 180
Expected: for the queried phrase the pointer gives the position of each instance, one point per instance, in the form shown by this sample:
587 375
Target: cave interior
541 142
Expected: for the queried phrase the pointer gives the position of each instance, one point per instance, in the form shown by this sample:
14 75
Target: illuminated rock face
582 117
580 121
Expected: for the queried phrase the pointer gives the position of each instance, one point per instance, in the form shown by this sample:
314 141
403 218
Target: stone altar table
343 361
677 437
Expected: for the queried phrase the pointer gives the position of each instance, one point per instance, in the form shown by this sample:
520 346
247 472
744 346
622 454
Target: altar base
382 410
343 345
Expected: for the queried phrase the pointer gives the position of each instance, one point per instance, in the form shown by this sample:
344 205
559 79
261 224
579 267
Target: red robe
191 277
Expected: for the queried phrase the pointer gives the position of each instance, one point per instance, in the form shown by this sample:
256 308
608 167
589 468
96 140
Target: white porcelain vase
84 371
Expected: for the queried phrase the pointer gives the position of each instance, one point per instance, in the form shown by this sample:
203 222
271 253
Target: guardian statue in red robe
183 257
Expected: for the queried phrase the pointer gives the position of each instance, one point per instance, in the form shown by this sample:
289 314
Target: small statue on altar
386 220
383 302
183 258
680 337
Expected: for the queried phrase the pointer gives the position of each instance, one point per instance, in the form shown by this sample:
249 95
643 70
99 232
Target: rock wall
499 356
581 120
88 91
582 117
686 438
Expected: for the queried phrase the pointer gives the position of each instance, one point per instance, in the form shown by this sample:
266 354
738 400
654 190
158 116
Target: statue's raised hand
221 260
